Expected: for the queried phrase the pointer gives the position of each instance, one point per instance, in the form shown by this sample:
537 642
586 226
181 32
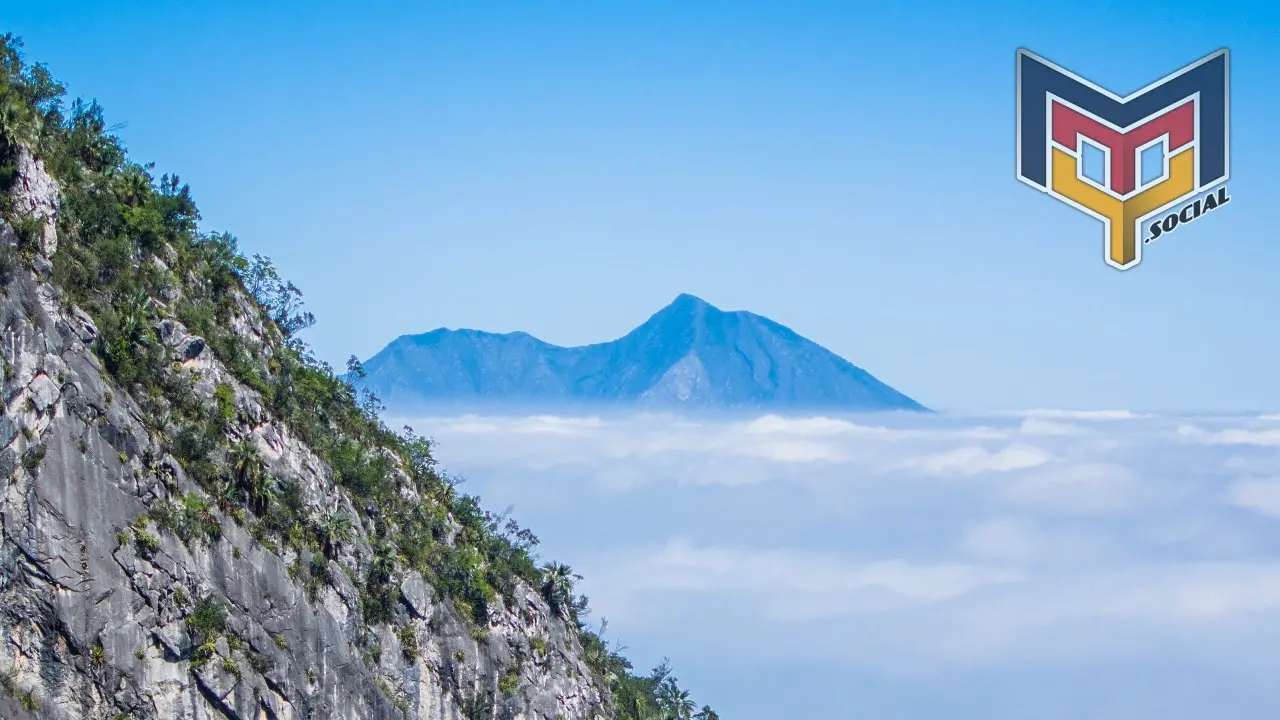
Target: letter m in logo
1123 159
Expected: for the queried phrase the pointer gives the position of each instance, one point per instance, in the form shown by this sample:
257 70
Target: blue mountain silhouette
689 354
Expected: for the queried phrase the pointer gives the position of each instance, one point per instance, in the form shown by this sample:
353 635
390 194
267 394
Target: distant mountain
689 354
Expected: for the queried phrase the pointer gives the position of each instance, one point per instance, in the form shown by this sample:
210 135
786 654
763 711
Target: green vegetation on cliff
131 254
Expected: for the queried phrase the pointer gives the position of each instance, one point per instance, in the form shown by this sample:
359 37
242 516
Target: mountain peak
689 353
685 300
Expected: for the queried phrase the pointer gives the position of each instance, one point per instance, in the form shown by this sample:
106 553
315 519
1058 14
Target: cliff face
112 606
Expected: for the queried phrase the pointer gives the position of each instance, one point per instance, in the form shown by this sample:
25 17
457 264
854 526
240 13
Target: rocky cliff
200 520
97 600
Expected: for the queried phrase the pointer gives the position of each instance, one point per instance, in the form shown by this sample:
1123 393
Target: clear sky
843 168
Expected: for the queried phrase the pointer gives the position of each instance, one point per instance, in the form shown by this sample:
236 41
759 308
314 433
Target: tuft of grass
224 398
203 654
408 636
510 681
208 619
146 544
193 520
32 458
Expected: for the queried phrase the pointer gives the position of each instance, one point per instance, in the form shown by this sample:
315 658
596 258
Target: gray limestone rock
95 598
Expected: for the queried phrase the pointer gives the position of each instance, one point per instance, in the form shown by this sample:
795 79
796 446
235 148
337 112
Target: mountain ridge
688 354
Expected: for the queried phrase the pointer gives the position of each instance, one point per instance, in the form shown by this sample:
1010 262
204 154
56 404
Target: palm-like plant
675 702
135 187
250 474
17 121
260 491
334 530
246 460
557 586
383 566
706 713
133 321
642 710
227 494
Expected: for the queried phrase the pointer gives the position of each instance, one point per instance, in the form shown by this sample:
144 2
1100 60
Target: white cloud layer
972 460
894 546
1261 496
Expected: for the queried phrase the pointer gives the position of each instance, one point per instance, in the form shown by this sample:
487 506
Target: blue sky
846 169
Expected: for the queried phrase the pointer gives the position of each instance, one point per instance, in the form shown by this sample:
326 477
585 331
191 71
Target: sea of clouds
1053 564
